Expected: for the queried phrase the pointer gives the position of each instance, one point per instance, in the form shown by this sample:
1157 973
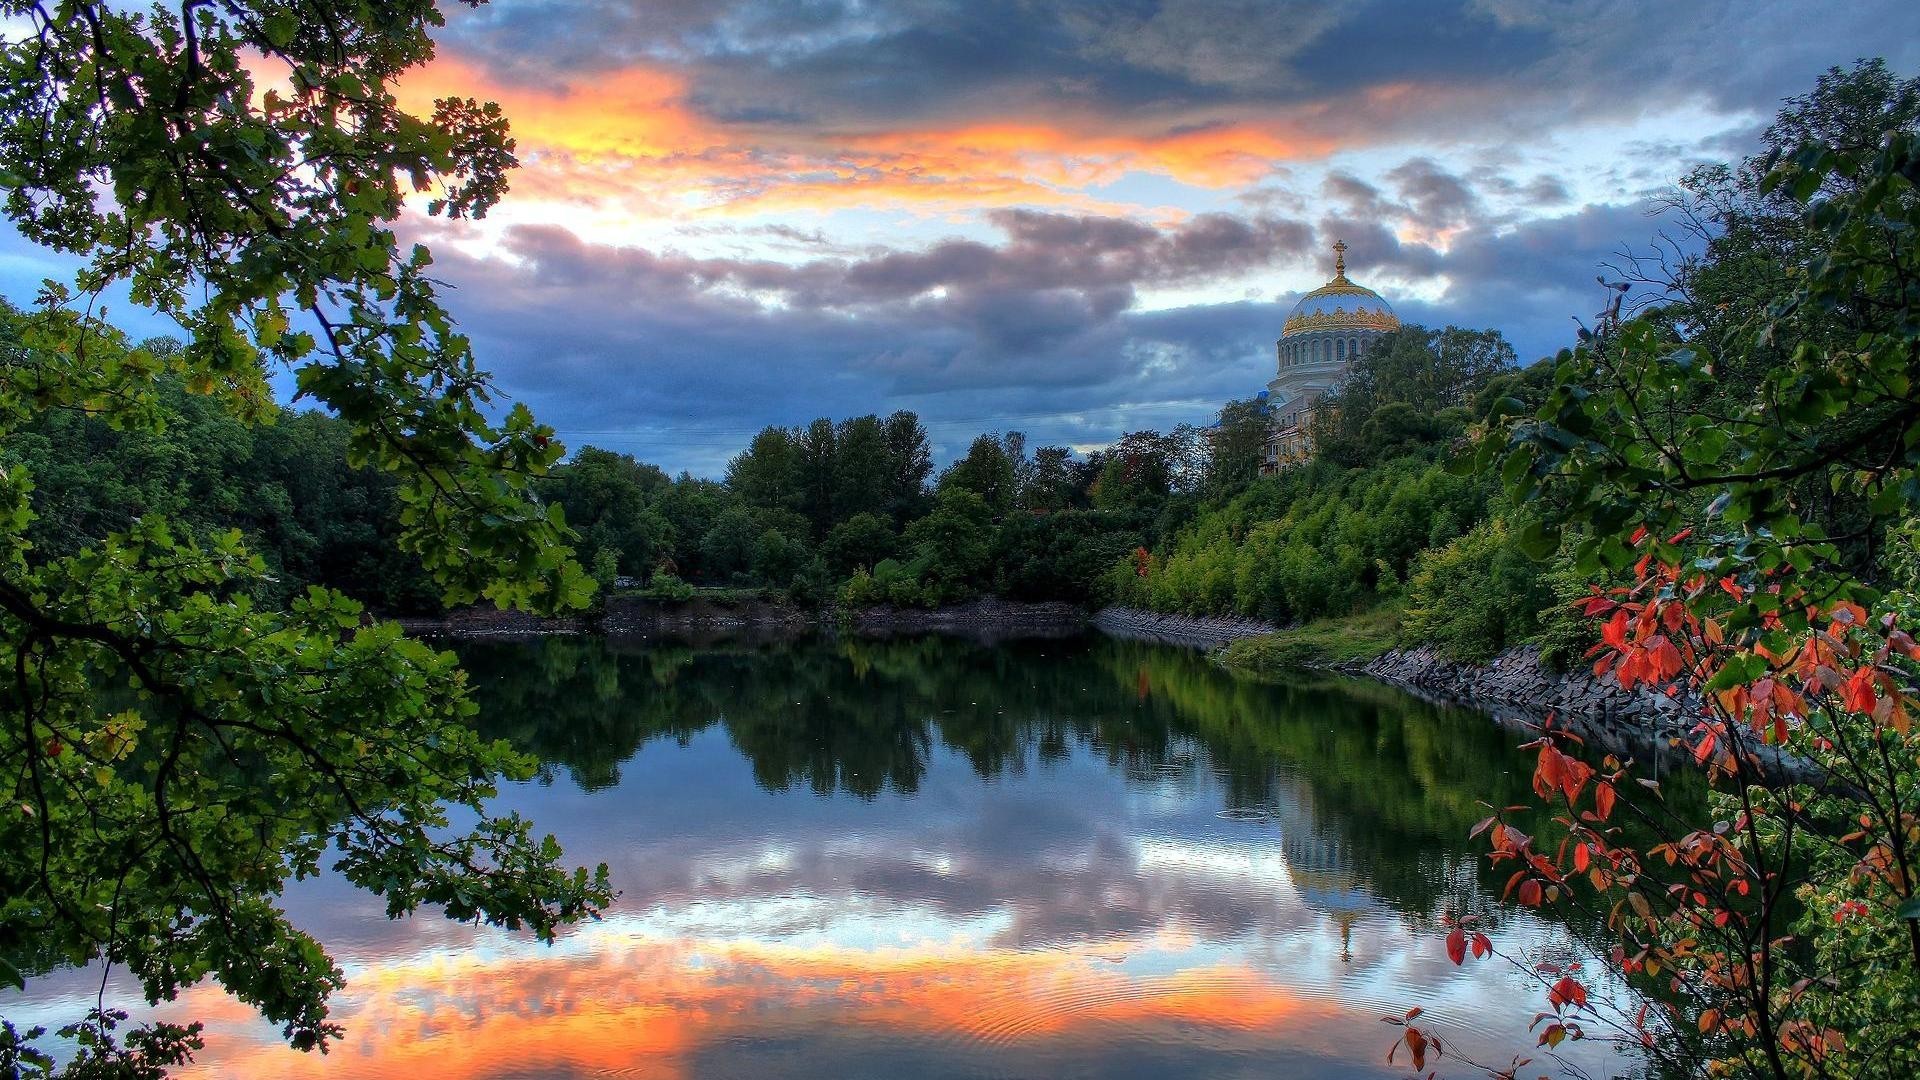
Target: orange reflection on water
647 1007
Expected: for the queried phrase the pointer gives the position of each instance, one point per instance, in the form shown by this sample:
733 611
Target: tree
1785 932
1743 239
1054 482
155 813
1138 472
953 545
909 463
1236 445
1422 378
728 547
861 468
608 498
767 473
817 474
861 540
987 471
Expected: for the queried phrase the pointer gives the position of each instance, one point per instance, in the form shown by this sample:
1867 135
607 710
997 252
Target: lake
929 858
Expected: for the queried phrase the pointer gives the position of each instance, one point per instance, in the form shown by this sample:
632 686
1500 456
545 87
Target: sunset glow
1481 159
649 1006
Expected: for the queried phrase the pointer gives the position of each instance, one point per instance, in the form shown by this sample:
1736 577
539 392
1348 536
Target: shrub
1475 597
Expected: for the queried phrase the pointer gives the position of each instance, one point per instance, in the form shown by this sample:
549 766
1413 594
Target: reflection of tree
1389 783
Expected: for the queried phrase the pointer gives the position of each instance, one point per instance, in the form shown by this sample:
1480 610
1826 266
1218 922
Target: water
927 858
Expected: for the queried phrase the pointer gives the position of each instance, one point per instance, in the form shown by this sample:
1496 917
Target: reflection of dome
1320 865
1340 305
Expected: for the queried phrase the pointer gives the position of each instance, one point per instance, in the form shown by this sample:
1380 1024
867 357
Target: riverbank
708 620
1516 687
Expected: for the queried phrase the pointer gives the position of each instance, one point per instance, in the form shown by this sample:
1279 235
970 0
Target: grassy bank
1318 644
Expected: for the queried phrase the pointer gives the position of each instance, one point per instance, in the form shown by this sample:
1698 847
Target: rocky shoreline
1519 690
1135 624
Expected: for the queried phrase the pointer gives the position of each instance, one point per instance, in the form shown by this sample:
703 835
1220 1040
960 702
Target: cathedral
1327 329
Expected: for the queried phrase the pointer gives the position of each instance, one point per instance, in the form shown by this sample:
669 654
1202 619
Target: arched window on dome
1340 350
1353 347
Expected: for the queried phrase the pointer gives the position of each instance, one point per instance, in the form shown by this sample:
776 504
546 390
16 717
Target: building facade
1324 333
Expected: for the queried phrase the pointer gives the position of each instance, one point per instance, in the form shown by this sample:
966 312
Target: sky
1066 217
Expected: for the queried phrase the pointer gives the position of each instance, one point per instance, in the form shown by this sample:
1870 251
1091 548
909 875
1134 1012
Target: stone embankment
1198 633
1516 683
986 620
490 622
702 620
1516 687
699 621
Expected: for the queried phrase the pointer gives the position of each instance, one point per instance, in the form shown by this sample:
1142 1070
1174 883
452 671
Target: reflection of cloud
652 1007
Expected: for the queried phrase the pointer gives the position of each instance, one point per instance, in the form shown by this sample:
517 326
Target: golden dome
1340 305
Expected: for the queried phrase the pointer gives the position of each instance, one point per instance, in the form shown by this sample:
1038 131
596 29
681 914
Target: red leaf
1481 946
1857 693
1457 946
1615 632
1603 796
1567 992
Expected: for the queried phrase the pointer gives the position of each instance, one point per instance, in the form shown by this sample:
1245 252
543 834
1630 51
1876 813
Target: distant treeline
853 511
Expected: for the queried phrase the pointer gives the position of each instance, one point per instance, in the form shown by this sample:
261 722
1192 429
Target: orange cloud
629 138
646 1007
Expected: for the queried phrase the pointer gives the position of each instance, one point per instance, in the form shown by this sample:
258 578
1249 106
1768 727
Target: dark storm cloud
1526 65
1038 329
685 357
1046 260
1358 197
1433 195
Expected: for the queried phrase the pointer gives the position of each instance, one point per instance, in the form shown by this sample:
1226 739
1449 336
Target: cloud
1075 217
1040 327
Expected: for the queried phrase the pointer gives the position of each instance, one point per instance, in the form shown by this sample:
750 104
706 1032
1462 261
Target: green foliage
1408 390
1236 444
1059 556
777 557
1319 644
1645 428
666 587
727 550
953 546
1752 451
860 541
1475 597
1306 543
827 473
611 501
176 750
1144 469
285 485
606 569
988 471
